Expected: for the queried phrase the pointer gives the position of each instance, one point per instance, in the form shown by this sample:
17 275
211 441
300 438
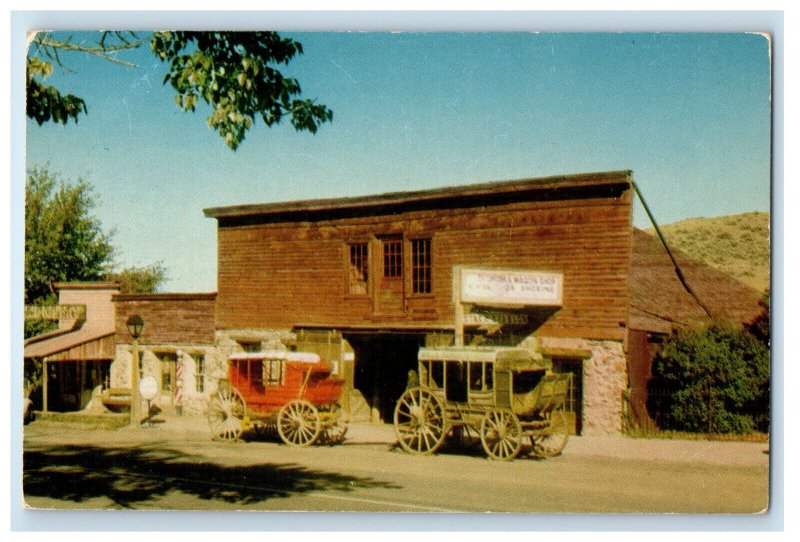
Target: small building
176 347
77 356
372 278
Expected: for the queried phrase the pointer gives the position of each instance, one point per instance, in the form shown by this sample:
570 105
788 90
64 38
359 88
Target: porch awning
84 341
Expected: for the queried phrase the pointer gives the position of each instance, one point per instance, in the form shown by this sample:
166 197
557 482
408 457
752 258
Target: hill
737 245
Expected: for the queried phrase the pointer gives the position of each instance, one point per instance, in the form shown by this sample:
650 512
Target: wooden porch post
459 308
44 385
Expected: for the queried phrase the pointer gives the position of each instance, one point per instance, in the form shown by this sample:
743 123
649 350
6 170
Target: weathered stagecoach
291 392
508 396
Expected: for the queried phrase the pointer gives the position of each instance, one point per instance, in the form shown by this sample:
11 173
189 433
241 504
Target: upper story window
421 266
358 268
393 258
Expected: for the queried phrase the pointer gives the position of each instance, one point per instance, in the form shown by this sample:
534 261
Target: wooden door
389 287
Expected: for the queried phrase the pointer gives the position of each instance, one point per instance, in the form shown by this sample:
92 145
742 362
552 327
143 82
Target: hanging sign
497 287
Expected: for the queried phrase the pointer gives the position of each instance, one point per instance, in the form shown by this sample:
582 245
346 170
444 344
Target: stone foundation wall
230 341
604 382
194 401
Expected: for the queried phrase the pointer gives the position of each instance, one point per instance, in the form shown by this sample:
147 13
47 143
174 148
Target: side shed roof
83 342
658 301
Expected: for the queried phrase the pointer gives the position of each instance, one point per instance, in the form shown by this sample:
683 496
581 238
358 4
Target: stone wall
194 400
604 381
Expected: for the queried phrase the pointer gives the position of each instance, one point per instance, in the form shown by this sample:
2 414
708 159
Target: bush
713 379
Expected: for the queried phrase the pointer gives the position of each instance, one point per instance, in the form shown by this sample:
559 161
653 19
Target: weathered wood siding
283 273
98 349
168 318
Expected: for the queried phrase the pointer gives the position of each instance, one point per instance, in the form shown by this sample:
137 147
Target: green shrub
713 379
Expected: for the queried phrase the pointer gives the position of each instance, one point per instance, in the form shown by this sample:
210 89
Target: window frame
357 287
393 260
270 367
199 373
415 266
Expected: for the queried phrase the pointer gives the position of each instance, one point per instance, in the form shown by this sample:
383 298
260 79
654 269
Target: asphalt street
176 466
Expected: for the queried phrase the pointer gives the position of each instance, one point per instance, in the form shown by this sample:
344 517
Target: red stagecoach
293 392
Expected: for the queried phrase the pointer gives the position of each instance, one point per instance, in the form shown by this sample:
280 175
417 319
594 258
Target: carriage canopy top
504 358
299 357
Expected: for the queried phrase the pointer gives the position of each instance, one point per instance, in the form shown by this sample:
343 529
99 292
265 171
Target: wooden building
77 356
376 274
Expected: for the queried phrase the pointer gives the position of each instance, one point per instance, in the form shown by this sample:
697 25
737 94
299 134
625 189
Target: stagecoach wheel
501 434
336 429
298 423
226 414
419 421
552 442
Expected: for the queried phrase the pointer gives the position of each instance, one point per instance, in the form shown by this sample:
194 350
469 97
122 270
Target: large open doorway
382 365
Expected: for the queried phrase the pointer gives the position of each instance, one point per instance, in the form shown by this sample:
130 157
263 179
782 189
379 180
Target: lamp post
135 325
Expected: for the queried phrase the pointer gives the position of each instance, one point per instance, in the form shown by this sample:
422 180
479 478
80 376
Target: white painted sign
487 318
497 287
148 388
55 312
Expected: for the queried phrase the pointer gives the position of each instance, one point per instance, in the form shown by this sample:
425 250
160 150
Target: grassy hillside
735 244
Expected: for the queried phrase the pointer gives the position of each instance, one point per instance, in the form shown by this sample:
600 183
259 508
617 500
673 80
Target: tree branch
101 50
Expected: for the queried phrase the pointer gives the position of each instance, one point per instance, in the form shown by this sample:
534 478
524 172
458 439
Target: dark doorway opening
383 362
575 401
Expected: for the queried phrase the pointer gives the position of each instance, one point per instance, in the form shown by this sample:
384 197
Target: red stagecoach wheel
419 421
226 414
555 436
298 423
501 434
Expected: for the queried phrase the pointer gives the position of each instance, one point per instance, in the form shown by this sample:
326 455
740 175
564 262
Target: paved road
176 466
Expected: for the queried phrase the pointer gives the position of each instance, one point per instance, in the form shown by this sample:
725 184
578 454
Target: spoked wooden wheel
298 423
554 438
335 428
501 434
226 414
419 421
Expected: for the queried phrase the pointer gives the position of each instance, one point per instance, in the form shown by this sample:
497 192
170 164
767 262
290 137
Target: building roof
55 342
86 285
166 296
658 301
518 187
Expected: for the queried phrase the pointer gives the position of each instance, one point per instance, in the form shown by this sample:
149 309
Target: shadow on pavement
135 475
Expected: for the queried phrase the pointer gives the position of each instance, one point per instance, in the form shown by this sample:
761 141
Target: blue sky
688 113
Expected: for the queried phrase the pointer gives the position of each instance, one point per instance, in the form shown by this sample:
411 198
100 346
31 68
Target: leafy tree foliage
711 380
139 280
46 103
235 73
63 241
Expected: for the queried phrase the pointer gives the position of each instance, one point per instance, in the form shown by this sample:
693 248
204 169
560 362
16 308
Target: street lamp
135 325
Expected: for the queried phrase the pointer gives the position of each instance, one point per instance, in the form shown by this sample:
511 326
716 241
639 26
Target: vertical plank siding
282 273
